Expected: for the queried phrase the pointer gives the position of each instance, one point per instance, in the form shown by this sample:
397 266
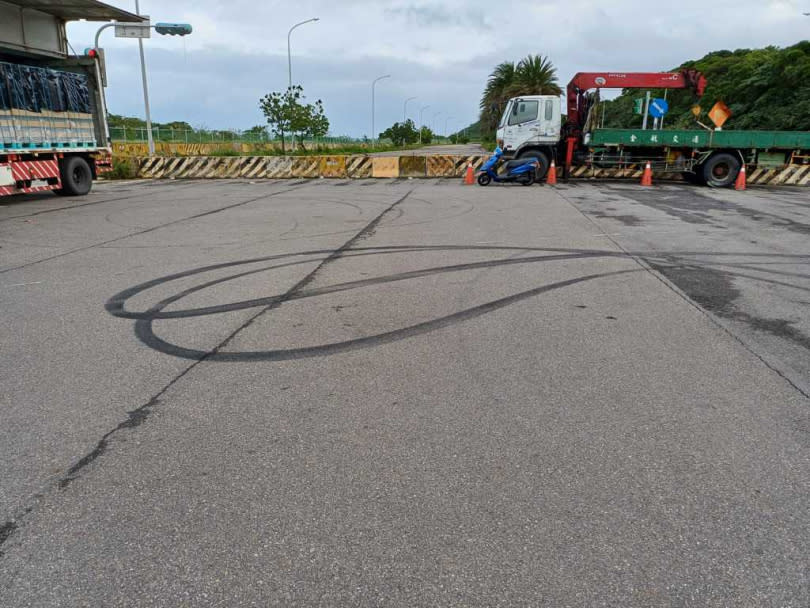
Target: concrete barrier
254 167
278 167
333 166
306 166
152 167
360 167
438 165
412 166
385 166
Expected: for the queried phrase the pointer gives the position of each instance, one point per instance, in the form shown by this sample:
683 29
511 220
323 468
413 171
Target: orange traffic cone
739 184
469 177
646 177
551 178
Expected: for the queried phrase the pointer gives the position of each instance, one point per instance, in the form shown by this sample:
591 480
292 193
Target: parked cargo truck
531 126
53 125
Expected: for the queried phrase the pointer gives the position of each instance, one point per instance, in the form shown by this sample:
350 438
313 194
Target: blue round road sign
658 107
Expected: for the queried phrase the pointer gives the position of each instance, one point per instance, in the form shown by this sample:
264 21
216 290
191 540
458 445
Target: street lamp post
420 123
433 122
289 57
405 109
373 84
446 120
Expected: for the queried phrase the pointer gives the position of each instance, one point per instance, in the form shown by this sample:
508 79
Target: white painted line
23 284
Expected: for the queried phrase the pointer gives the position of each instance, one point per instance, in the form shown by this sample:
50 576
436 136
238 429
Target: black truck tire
720 170
76 176
543 163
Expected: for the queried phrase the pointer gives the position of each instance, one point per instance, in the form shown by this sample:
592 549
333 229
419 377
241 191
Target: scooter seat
513 164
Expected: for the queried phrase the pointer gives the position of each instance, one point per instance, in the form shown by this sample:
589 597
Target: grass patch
123 168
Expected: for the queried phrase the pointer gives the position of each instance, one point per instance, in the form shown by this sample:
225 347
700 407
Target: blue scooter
521 171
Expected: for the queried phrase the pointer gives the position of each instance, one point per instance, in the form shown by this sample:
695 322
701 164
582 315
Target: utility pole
646 111
145 91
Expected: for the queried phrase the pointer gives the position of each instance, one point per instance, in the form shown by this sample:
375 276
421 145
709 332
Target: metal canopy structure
74 10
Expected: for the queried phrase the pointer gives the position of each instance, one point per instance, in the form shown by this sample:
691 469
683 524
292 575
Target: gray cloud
438 15
440 51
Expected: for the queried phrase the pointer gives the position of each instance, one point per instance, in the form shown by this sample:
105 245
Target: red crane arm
685 79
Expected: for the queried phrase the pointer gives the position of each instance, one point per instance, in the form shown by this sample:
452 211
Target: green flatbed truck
703 156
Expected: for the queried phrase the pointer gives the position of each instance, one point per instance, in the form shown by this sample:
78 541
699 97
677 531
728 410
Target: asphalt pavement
404 393
453 149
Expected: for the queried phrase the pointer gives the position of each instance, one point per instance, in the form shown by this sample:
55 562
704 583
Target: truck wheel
77 179
543 163
721 170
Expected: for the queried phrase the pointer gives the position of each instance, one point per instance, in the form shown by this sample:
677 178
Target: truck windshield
505 114
523 111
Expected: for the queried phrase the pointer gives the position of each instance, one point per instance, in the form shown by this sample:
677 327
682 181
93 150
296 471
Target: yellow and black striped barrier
434 166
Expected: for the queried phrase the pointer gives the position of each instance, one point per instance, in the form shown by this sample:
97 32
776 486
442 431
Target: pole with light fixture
289 56
373 84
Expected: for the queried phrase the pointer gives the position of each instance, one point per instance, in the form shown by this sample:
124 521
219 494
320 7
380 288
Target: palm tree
494 98
535 75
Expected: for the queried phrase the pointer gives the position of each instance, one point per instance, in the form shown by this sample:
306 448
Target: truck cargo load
44 108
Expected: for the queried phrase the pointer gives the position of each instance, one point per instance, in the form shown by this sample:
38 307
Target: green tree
287 114
426 135
280 110
533 75
494 98
312 122
767 88
401 133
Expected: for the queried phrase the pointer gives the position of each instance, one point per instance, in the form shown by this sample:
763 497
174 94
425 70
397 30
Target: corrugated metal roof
73 10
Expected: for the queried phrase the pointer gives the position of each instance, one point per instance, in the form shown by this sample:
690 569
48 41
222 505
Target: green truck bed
762 140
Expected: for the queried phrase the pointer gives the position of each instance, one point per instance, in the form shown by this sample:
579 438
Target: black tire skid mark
144 320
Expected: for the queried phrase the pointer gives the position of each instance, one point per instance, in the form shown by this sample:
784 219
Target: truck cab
530 126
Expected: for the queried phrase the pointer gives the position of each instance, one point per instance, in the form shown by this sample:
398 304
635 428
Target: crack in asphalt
139 415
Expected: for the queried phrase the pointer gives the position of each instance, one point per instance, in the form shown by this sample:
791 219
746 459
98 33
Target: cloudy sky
439 51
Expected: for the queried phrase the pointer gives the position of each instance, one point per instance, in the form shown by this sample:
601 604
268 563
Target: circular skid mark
144 320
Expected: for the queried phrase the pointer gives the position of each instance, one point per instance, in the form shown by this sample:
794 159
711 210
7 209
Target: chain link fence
201 136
